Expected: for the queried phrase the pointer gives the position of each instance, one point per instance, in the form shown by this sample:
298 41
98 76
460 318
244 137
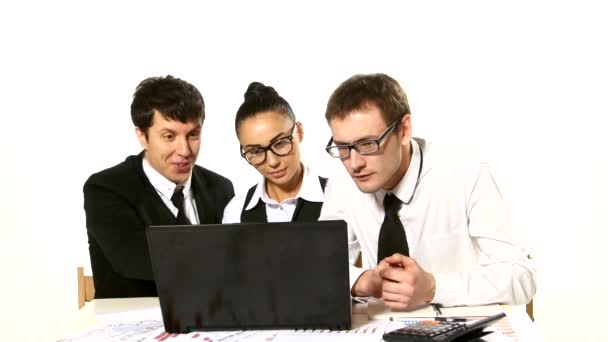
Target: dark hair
172 97
261 98
361 91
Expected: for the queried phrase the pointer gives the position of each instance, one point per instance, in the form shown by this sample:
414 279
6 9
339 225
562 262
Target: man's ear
143 139
405 129
300 130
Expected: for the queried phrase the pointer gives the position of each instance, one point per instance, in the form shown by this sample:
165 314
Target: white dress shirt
165 188
456 223
310 190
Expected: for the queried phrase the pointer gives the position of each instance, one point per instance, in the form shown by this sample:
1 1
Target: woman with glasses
270 138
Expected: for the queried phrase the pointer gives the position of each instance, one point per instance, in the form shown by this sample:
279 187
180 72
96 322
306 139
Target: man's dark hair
261 98
172 97
361 91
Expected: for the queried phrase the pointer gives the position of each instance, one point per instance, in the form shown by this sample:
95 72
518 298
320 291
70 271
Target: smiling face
171 147
380 170
264 129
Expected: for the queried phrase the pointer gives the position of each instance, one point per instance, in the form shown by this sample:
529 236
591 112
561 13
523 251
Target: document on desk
133 326
214 336
147 326
377 310
365 333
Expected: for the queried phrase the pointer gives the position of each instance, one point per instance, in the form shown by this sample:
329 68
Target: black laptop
252 276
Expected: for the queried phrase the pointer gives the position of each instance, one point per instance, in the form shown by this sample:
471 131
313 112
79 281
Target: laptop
282 275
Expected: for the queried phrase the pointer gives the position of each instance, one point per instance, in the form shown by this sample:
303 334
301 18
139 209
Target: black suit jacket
120 202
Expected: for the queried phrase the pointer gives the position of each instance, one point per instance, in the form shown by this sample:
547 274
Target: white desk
521 323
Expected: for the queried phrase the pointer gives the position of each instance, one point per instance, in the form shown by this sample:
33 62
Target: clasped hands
399 280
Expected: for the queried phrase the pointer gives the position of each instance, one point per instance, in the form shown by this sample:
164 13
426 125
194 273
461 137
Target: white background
526 81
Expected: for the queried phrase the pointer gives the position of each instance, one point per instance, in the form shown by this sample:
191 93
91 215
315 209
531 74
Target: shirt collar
162 184
406 186
311 190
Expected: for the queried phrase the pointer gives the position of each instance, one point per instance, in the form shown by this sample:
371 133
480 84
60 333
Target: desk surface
87 318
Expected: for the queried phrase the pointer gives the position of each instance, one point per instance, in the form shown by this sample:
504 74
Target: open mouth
182 167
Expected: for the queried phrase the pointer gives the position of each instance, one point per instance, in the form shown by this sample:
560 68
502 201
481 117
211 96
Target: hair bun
258 90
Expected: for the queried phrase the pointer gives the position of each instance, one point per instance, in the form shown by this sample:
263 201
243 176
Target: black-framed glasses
362 147
280 147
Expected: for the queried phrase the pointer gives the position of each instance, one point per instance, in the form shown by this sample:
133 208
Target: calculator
441 331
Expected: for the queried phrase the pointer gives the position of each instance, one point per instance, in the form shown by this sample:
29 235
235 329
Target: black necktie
178 201
392 235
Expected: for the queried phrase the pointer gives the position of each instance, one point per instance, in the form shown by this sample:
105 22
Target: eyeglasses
362 147
282 147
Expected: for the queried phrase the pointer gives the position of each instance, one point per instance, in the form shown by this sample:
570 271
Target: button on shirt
456 224
276 212
165 189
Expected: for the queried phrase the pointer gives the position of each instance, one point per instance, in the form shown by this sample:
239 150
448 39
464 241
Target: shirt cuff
445 291
354 273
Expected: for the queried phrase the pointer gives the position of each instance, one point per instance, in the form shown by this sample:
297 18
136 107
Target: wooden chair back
86 288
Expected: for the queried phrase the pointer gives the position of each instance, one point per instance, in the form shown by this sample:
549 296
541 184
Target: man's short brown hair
364 90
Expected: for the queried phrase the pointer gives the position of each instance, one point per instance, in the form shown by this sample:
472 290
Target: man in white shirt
444 236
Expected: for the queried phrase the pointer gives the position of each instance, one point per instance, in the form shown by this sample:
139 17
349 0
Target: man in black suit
160 186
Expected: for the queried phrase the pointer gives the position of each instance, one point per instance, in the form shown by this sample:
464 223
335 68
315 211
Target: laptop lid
252 276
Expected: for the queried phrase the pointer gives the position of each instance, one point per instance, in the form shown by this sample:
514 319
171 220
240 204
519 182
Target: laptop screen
252 275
